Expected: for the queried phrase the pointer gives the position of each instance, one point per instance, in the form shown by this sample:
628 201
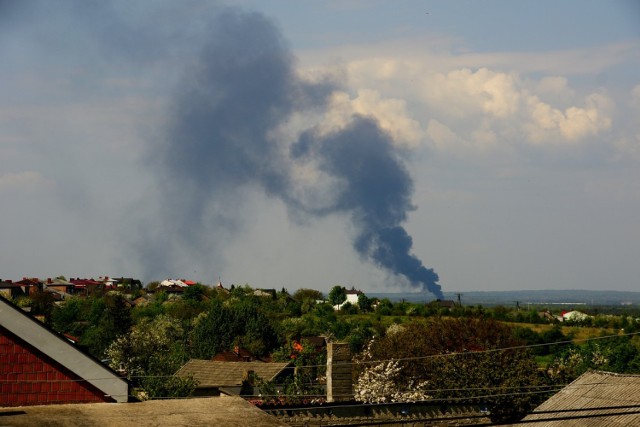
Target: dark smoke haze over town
241 88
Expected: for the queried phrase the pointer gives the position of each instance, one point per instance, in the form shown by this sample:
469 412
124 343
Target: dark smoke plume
243 86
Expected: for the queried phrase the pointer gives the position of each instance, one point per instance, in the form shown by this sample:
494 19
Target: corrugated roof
596 398
213 373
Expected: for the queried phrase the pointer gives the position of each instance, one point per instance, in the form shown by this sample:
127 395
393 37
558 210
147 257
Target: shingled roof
213 373
596 398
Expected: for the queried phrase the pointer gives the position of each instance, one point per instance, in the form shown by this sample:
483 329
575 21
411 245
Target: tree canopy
453 358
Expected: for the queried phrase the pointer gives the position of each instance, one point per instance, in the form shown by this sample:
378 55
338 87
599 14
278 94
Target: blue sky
517 122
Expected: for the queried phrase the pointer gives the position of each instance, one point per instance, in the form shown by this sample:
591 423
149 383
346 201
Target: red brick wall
29 377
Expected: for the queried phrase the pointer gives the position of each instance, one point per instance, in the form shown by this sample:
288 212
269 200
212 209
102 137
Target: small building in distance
352 298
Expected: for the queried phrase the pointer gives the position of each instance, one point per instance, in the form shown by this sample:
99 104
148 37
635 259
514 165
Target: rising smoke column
376 189
219 141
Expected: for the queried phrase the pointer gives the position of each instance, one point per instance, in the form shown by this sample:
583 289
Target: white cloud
463 92
391 114
490 100
483 108
572 124
554 89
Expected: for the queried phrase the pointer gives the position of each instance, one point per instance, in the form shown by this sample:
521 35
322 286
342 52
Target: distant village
60 288
133 289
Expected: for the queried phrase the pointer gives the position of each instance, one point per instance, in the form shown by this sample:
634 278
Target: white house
352 298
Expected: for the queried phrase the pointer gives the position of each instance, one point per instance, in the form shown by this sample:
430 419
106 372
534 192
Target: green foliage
68 317
150 354
618 354
153 309
384 307
152 286
303 294
222 325
348 308
364 303
195 293
42 305
168 386
211 331
531 338
23 302
502 374
554 335
358 337
337 295
109 317
310 367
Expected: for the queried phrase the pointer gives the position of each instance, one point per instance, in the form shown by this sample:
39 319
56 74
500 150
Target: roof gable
213 373
58 348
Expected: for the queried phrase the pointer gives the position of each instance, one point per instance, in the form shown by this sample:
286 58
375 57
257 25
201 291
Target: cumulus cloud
572 124
488 103
390 113
488 100
463 92
554 89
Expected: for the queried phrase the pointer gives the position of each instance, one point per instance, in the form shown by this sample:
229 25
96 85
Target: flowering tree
450 359
150 354
380 382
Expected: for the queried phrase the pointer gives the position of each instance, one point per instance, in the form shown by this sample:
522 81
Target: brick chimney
339 372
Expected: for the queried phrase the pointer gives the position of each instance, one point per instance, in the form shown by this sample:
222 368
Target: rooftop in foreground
216 411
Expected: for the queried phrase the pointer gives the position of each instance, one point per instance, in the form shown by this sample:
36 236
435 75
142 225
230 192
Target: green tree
195 293
67 317
150 354
449 357
364 303
109 317
303 294
42 305
243 322
337 295
212 331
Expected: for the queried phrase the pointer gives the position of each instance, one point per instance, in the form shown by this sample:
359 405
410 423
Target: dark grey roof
596 398
212 373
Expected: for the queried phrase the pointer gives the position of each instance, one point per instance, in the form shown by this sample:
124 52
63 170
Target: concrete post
339 372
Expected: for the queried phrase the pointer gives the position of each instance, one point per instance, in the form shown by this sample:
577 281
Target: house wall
28 377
